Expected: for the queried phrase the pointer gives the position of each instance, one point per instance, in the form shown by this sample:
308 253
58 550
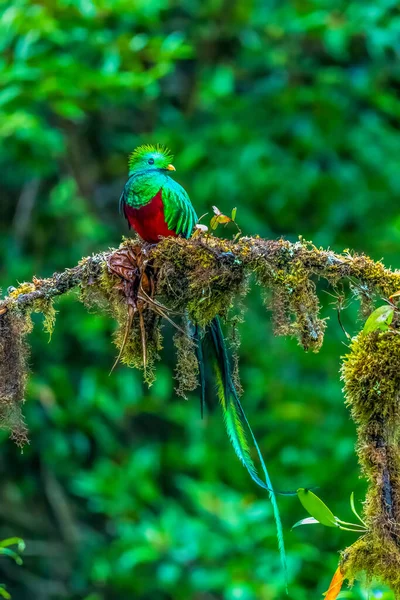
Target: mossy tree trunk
371 375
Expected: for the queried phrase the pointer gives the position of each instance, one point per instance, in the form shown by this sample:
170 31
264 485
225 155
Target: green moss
46 307
23 288
15 325
202 279
377 557
371 374
291 295
187 367
13 373
372 377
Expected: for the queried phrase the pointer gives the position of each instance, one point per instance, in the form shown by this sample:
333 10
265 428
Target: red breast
149 220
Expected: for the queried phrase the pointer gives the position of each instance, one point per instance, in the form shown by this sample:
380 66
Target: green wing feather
180 215
236 424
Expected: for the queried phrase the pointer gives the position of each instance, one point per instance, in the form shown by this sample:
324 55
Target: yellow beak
171 168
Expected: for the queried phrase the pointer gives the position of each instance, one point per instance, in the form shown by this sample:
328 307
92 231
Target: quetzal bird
155 206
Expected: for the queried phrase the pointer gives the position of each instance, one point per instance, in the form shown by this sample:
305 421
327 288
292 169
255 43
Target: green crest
146 151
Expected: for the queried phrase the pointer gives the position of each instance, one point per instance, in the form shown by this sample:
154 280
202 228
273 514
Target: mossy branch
272 260
195 280
200 277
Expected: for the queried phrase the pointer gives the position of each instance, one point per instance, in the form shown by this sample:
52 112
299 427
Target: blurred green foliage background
287 110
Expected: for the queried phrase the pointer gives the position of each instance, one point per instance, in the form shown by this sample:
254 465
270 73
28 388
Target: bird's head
150 158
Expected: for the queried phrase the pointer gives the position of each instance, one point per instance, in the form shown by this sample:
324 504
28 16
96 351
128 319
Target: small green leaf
4 593
12 554
214 222
233 214
11 541
306 521
380 319
316 508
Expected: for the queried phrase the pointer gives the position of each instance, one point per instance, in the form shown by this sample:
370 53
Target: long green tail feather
236 423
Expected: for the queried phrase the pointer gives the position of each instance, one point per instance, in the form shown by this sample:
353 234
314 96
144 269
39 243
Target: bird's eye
151 161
